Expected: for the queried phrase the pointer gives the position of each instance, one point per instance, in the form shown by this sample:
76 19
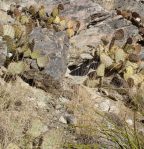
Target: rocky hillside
71 74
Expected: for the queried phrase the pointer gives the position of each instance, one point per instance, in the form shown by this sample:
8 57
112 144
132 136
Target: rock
3 5
4 17
53 139
82 10
12 146
130 122
55 46
43 81
37 128
133 5
96 22
63 100
105 106
58 107
63 120
71 119
93 35
68 119
86 56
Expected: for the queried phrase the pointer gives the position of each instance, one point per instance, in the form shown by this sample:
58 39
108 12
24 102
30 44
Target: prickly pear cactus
36 40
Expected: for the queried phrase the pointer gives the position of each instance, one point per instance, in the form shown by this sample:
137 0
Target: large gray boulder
133 5
97 22
55 46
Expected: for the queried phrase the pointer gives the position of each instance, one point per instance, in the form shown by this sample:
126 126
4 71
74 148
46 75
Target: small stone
63 100
129 121
63 120
105 106
86 56
58 107
71 119
12 146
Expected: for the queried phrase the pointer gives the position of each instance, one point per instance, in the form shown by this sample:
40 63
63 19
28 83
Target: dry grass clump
24 120
15 115
101 130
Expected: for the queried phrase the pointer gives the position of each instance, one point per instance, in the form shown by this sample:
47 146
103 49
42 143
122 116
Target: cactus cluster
124 61
16 34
